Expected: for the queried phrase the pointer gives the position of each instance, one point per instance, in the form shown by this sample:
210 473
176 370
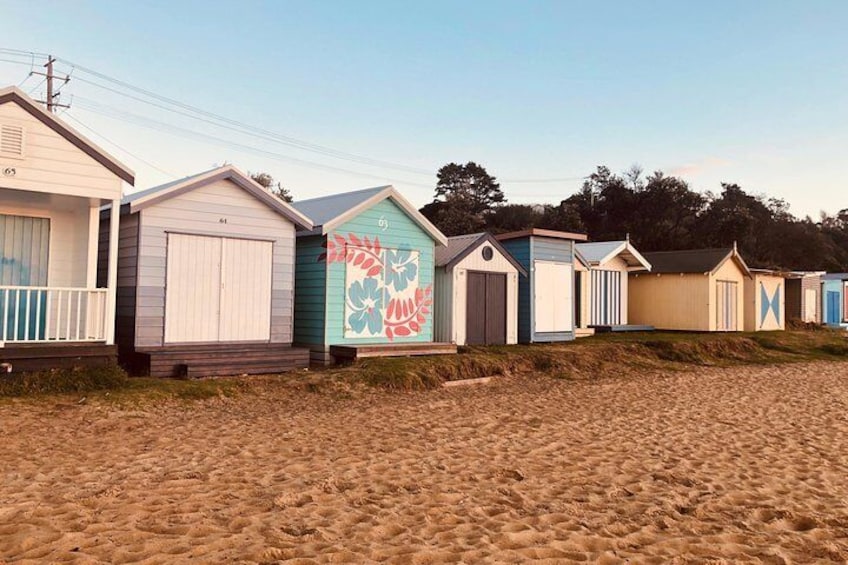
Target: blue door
833 310
23 262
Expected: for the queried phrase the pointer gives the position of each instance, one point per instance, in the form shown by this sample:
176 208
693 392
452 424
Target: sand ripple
742 465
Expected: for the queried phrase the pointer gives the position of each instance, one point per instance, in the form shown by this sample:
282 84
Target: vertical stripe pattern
606 301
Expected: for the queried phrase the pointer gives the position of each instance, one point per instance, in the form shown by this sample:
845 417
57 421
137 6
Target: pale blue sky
741 91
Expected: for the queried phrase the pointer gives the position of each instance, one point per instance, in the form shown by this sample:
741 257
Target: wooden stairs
212 360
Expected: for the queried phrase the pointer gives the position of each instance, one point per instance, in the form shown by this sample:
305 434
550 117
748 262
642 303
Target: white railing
40 314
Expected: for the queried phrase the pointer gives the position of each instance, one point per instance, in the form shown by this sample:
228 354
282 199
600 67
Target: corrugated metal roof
129 198
688 261
596 251
456 245
325 208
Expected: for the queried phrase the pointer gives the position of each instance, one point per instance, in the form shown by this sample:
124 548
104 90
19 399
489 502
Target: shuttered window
11 140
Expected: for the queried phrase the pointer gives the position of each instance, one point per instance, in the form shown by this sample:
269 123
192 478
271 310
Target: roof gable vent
11 141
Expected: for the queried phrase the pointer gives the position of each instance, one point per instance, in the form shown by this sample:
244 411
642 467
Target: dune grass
601 356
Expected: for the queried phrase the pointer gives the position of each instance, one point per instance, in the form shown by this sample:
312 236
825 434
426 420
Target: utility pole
50 101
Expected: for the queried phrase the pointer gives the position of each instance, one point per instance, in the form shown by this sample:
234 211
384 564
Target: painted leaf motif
425 310
368 263
390 334
377 247
374 271
359 258
421 318
402 331
351 257
390 310
414 326
339 239
354 240
366 242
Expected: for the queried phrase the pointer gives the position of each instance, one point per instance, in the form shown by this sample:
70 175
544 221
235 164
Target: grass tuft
57 381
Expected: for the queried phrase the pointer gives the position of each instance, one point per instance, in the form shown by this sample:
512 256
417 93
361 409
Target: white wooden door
246 290
553 301
217 289
810 305
727 295
193 288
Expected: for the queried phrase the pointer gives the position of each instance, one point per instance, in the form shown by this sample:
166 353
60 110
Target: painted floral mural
382 293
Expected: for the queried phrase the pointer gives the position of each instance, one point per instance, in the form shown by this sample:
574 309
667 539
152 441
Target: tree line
658 212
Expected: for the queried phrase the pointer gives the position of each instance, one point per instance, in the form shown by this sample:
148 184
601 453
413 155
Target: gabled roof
16 95
141 200
599 252
835 277
329 212
459 247
536 232
580 259
694 260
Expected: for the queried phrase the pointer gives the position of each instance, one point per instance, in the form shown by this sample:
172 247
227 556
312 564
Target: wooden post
92 323
112 279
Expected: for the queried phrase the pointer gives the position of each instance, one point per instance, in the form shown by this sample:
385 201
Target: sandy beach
721 465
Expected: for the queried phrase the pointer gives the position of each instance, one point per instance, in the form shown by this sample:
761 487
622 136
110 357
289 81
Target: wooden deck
41 357
354 352
622 328
210 360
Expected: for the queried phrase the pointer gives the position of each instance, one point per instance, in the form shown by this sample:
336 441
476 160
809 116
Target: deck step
223 360
353 352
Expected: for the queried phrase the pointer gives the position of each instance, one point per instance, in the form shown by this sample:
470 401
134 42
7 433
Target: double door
486 304
217 289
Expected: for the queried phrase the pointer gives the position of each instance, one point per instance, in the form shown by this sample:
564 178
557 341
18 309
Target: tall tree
479 189
273 186
465 195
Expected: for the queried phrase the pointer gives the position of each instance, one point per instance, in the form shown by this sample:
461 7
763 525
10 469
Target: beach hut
803 296
611 263
364 278
546 306
694 290
834 303
476 292
206 275
765 295
54 312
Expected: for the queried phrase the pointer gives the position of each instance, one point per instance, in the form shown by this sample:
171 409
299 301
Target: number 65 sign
9 171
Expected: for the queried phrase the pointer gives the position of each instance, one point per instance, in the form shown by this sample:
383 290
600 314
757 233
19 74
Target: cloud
698 167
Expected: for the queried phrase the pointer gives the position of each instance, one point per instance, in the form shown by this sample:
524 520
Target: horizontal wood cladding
52 164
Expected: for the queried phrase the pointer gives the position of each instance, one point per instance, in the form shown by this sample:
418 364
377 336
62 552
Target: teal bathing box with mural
364 275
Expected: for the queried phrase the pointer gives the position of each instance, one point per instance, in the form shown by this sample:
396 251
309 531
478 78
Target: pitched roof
599 252
835 277
140 200
329 212
694 260
460 246
15 94
536 232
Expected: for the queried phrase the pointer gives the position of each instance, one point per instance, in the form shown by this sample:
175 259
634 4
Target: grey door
485 317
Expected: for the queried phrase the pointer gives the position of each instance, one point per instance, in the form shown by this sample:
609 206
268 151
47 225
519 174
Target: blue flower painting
401 268
365 303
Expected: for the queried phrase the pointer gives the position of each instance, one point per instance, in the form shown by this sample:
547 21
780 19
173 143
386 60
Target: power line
121 148
183 132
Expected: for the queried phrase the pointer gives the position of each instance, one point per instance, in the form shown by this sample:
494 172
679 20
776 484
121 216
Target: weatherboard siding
52 164
520 249
443 306
310 291
396 230
220 209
